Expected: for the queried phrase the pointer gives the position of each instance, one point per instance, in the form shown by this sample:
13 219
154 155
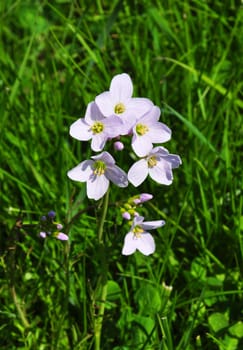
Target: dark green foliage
55 57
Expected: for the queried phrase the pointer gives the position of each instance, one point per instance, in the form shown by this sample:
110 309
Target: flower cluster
47 225
114 114
129 209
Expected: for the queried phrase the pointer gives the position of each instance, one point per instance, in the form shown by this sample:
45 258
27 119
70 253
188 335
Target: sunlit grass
55 57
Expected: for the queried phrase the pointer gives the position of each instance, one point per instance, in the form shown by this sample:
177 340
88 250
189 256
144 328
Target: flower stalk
104 272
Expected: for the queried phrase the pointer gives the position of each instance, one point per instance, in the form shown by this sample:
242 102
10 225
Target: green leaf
230 343
148 299
218 321
237 330
143 330
197 270
113 291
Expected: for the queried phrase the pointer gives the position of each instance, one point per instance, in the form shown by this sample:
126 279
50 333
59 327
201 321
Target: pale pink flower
119 101
149 130
98 172
158 164
138 238
95 127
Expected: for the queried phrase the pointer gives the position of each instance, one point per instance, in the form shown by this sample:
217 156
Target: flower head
138 238
118 100
98 172
158 164
94 126
149 130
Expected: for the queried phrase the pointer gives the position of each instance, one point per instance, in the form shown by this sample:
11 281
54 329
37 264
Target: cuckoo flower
96 127
138 238
149 130
158 164
98 172
119 101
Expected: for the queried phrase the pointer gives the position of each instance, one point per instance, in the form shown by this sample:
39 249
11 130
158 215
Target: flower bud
144 197
42 234
59 226
51 214
126 215
118 146
62 236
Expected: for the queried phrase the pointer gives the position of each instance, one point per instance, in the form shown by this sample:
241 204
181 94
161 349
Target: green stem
103 216
104 271
21 312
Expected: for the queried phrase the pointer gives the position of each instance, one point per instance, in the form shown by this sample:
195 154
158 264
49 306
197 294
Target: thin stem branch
104 271
21 312
103 216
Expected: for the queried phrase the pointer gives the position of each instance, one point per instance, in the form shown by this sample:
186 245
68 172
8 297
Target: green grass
55 57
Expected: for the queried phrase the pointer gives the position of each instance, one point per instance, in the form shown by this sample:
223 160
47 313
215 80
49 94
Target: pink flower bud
118 146
62 236
126 215
42 234
144 197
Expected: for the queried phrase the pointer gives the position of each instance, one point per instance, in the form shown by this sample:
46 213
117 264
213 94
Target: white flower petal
139 106
137 221
117 176
141 145
138 172
112 126
80 130
82 171
92 113
145 243
128 120
105 157
106 103
151 117
174 159
151 225
130 244
162 173
98 142
97 187
159 132
159 151
121 87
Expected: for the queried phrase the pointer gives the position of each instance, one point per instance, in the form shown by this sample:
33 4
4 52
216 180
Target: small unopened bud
168 289
42 234
51 214
118 146
144 197
126 215
62 236
59 226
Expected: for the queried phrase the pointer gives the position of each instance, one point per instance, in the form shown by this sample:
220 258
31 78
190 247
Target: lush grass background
186 56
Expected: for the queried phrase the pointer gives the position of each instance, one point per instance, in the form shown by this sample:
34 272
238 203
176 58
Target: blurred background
55 57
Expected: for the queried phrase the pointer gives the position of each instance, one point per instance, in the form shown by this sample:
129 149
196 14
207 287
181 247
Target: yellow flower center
97 127
119 108
152 161
141 129
138 231
99 167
